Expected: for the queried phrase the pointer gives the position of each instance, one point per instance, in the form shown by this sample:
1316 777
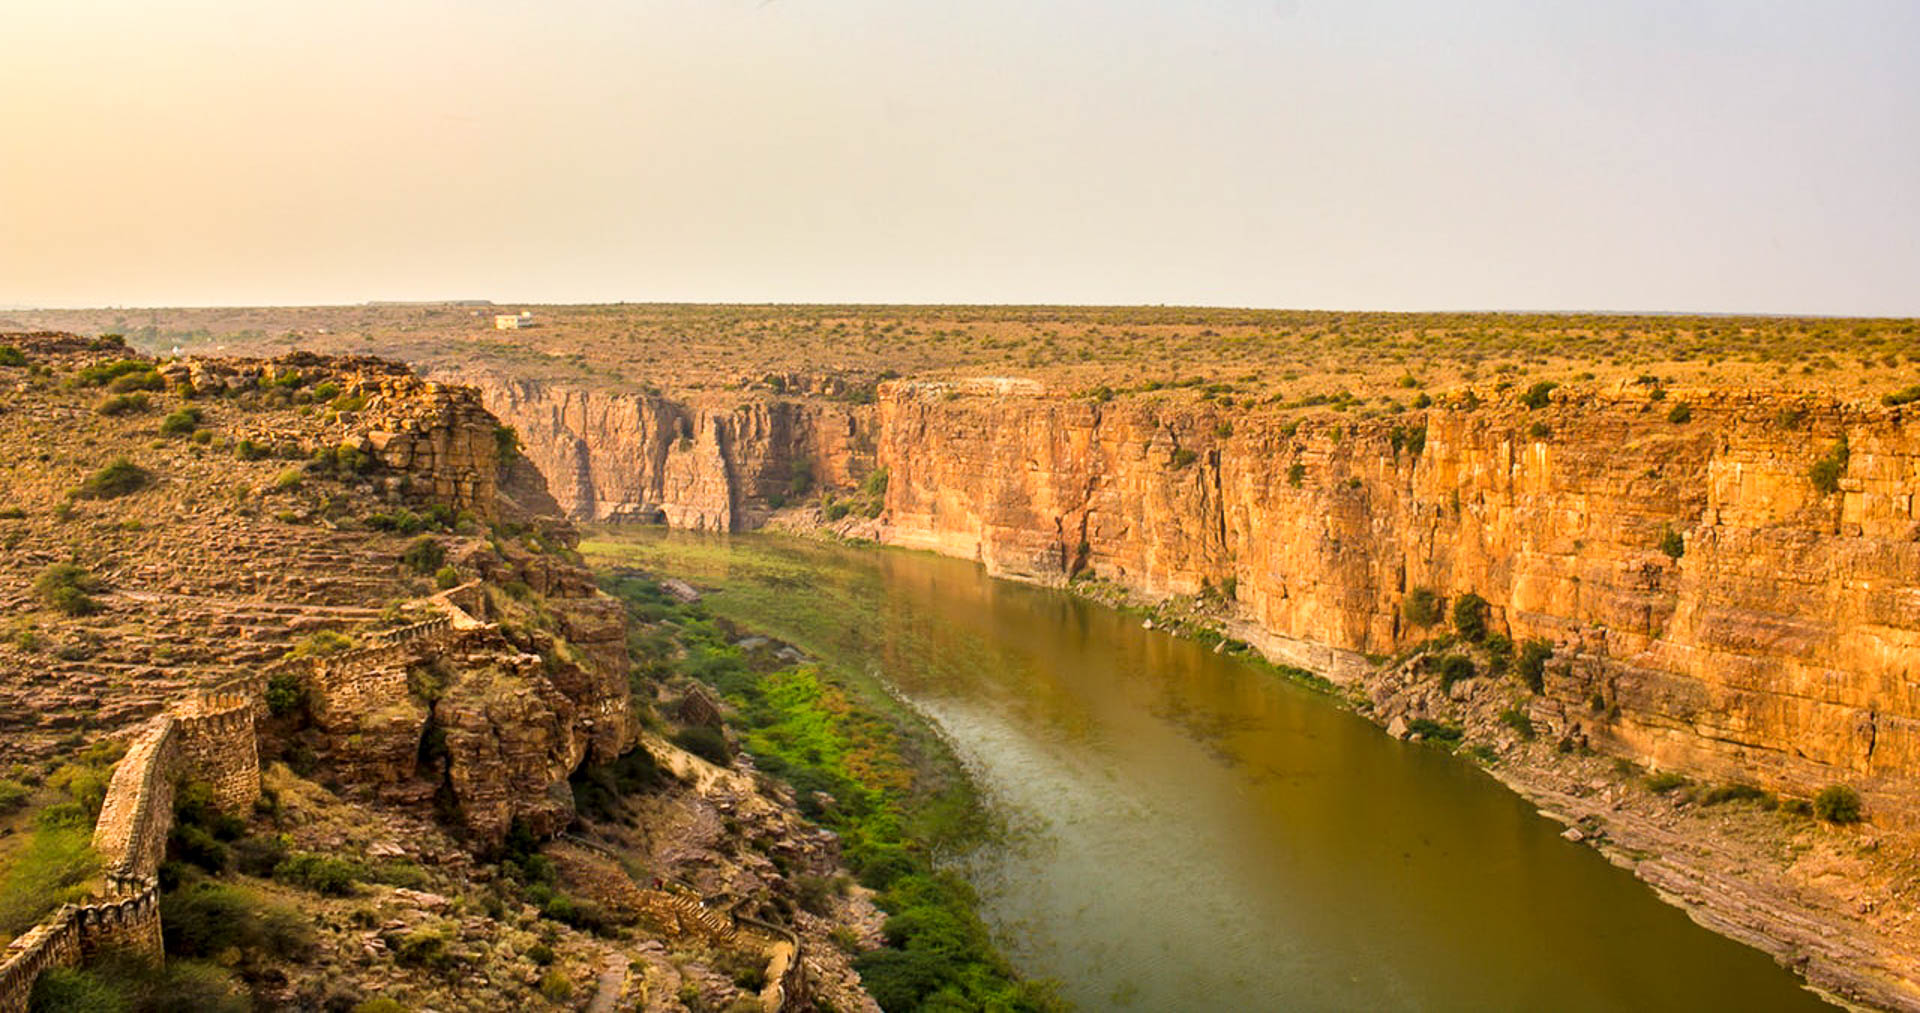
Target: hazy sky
1741 155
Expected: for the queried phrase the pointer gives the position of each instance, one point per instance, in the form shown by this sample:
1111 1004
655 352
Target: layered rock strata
1780 645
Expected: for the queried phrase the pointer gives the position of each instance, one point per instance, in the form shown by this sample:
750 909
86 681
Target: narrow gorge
1728 580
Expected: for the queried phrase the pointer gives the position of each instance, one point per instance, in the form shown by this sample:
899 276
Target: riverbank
1835 903
861 764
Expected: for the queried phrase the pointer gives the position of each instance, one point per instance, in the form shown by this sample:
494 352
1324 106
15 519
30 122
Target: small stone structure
210 737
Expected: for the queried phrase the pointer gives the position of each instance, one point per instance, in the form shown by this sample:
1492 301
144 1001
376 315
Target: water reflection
1199 835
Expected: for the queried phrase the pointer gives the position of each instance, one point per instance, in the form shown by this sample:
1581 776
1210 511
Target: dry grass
1263 355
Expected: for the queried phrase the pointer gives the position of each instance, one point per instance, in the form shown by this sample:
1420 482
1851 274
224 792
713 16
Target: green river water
1188 832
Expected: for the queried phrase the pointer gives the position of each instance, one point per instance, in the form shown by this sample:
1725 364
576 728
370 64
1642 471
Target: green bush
424 555
1681 413
121 404
1737 792
1516 719
1422 607
1905 395
1537 396
1470 616
286 694
1672 544
128 984
13 795
1533 664
11 356
181 423
119 478
320 644
1665 781
207 918
1296 473
102 373
68 588
1435 731
323 874
446 578
52 869
707 743
1826 472
1455 668
401 522
247 450
1837 803
1181 458
556 986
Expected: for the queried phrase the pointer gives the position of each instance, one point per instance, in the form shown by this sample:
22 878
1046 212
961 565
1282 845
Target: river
1189 832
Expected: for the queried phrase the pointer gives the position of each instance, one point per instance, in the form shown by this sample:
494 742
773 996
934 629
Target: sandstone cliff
712 464
1779 646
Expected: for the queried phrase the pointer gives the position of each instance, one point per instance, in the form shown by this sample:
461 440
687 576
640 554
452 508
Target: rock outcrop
709 464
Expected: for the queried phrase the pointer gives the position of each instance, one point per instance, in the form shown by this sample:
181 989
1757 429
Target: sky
1740 156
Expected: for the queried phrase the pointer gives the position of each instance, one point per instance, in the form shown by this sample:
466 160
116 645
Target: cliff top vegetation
1286 356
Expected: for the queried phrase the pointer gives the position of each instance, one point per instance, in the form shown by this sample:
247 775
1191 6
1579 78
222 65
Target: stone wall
219 747
208 737
131 833
52 943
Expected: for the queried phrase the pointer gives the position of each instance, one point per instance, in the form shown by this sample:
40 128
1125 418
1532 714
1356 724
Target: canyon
1728 579
1778 643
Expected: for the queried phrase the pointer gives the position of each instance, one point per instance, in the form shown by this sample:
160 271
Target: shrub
707 743
102 373
1837 803
556 986
424 555
1181 458
208 918
11 356
1516 719
1422 607
320 644
68 588
247 450
121 404
74 990
1470 616
1672 544
13 795
51 870
286 694
1533 663
260 854
901 979
1825 473
380 1005
1537 395
748 970
400 522
1539 431
1435 731
1295 473
1665 781
323 874
1736 792
1680 413
180 423
119 478
446 577
1905 395
1455 668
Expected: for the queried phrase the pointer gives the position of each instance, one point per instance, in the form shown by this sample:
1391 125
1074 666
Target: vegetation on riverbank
861 764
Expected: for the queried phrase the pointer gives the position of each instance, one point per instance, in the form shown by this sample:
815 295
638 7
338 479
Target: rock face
1781 645
714 464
